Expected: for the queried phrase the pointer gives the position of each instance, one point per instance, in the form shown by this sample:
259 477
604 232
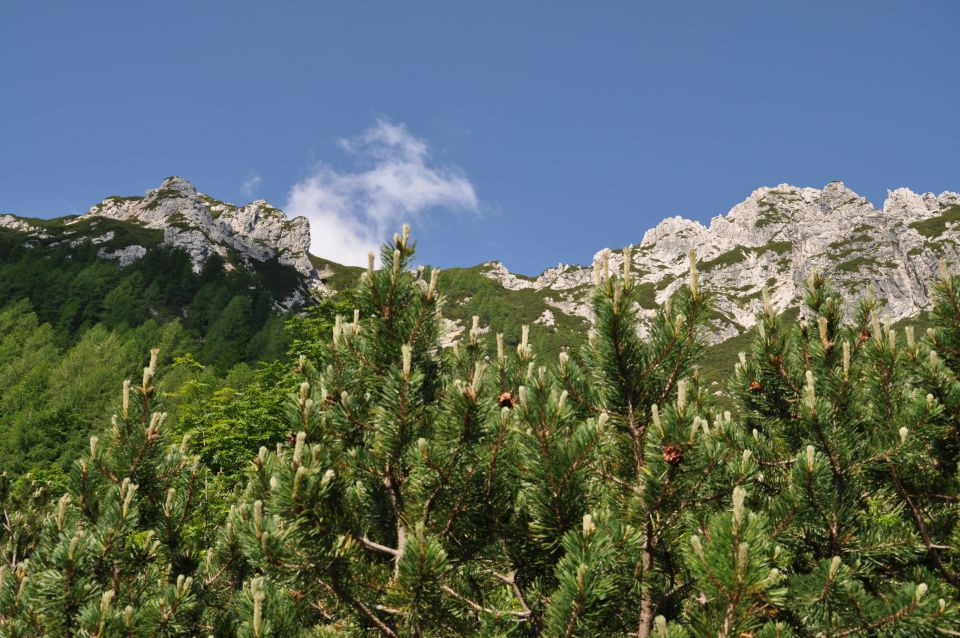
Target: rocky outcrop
774 239
126 255
12 222
202 226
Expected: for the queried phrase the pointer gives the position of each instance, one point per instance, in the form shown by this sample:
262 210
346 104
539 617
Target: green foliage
72 289
118 555
734 569
776 247
728 258
839 411
227 420
52 398
469 293
859 263
338 276
309 331
403 489
769 215
936 226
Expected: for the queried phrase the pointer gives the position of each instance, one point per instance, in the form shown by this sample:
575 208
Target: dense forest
72 325
362 480
230 311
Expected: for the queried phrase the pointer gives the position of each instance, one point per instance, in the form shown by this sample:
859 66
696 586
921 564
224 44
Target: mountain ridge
772 240
202 225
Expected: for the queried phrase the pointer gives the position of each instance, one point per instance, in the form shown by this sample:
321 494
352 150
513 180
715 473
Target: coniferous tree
930 482
664 456
837 420
344 520
117 556
474 491
740 587
464 497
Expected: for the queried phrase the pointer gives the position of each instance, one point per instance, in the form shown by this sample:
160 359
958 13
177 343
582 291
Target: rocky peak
178 184
835 196
903 203
202 226
773 239
675 229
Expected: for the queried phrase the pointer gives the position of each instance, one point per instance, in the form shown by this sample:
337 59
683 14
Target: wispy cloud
394 181
251 185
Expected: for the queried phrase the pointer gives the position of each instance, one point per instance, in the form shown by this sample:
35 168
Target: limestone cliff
774 239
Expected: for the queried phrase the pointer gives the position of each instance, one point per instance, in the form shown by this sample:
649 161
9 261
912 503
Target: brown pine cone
672 454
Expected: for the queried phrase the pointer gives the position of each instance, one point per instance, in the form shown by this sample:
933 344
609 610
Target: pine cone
672 454
506 399
864 335
755 386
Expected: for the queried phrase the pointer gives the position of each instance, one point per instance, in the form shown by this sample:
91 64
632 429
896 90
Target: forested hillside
375 483
233 313
72 325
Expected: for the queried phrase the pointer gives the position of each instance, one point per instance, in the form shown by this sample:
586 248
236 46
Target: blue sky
530 132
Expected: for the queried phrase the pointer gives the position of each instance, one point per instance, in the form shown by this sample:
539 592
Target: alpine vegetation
482 490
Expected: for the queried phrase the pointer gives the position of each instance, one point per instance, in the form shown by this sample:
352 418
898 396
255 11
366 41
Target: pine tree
838 420
734 568
930 483
665 456
118 554
476 490
365 521
431 495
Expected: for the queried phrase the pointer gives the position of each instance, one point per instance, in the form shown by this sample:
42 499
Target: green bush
482 490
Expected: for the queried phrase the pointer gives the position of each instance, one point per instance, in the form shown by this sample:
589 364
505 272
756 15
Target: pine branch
828 520
880 622
496 613
645 624
488 480
369 544
458 507
359 606
692 494
511 580
785 377
425 310
952 578
577 397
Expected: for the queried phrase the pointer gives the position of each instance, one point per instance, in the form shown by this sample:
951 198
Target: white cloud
251 185
350 213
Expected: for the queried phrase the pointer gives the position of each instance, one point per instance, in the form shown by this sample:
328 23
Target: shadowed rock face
202 226
774 239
